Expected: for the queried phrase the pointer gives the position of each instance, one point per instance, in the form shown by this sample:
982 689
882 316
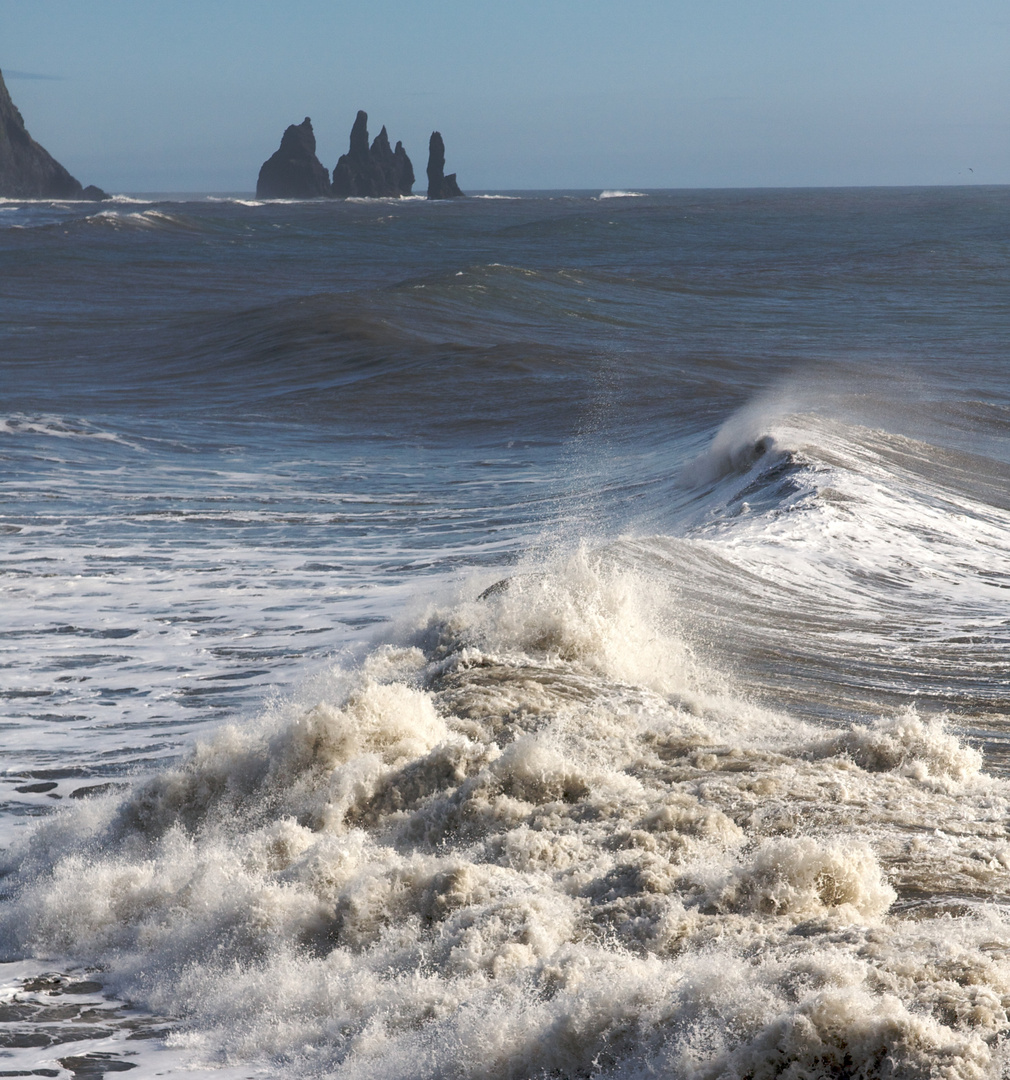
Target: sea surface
546 634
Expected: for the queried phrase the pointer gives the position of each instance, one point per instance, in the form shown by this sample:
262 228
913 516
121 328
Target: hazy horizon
630 190
193 98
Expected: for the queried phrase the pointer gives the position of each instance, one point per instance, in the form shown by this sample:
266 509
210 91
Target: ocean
544 634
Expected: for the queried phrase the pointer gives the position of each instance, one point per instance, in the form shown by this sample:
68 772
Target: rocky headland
440 186
27 171
293 171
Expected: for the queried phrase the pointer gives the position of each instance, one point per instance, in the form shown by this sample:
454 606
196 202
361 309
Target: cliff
27 171
293 171
376 172
440 186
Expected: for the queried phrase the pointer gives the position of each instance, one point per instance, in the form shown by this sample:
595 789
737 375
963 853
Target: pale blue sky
193 95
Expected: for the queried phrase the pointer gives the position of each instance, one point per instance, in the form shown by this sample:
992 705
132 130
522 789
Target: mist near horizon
574 96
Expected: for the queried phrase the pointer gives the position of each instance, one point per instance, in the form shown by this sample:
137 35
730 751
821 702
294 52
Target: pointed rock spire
440 186
403 170
359 136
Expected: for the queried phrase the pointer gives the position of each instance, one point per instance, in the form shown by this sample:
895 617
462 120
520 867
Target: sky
193 95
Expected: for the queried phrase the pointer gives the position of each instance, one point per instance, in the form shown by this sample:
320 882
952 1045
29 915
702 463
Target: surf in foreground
500 667
535 837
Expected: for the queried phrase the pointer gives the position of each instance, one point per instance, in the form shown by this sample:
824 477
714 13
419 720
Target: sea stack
440 186
27 171
379 172
294 171
397 171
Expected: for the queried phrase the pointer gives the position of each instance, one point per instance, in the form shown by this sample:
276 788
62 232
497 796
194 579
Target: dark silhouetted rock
294 171
359 137
94 194
27 171
403 169
397 171
450 189
378 172
440 186
356 174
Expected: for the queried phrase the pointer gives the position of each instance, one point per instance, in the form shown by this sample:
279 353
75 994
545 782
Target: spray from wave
534 835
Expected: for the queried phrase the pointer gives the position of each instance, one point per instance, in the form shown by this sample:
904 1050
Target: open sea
546 634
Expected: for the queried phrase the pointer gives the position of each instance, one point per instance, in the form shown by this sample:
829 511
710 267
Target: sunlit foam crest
141 219
587 610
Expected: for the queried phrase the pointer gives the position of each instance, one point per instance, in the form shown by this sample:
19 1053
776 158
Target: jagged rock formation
397 171
440 186
27 171
294 171
376 173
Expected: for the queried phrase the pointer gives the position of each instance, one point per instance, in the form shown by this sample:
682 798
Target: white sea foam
887 545
234 200
390 200
141 219
57 427
63 203
538 835
618 194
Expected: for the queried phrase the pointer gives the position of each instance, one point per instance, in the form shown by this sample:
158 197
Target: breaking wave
534 834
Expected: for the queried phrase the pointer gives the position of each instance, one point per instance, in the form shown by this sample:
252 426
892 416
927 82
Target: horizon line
630 189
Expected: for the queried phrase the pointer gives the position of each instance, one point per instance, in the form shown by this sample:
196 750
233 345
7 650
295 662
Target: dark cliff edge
440 186
293 171
376 172
27 171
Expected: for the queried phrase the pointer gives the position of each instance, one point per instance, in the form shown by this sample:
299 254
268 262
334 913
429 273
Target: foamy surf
868 552
57 427
535 835
143 219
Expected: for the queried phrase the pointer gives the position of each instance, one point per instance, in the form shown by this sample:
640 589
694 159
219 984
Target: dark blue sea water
542 634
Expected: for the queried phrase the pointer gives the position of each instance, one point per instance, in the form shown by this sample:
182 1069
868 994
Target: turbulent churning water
553 635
